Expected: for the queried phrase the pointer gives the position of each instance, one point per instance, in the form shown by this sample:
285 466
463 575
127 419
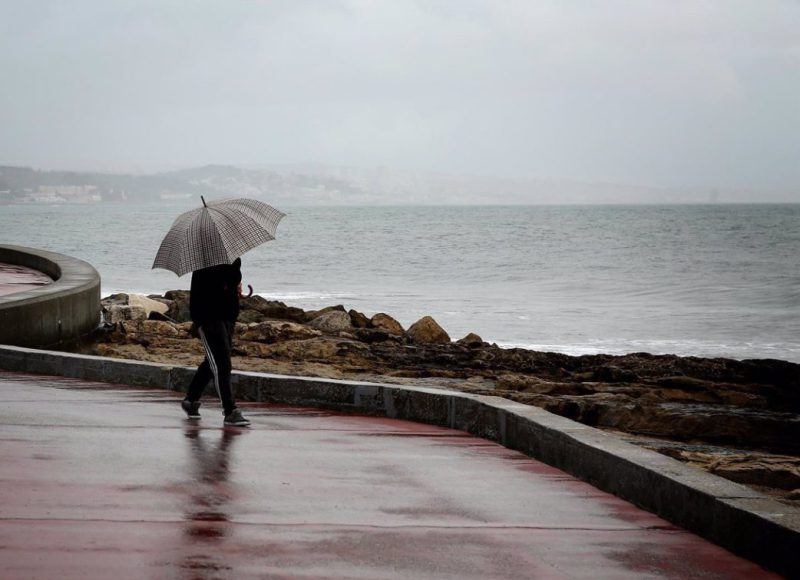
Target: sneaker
192 408
236 419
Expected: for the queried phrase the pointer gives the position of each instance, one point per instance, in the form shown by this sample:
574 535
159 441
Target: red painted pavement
113 482
19 278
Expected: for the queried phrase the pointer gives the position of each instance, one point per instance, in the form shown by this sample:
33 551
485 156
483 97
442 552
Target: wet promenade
112 482
15 279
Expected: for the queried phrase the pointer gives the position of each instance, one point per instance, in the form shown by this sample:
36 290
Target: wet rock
159 316
315 349
276 331
719 424
148 304
779 472
273 309
332 322
179 309
250 316
471 340
117 313
615 374
358 319
253 349
312 314
120 307
427 331
370 335
529 384
521 360
385 322
187 327
120 299
684 383
130 352
152 327
793 495
164 328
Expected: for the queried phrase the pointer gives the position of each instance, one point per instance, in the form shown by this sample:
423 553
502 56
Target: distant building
169 195
37 197
60 194
68 190
65 194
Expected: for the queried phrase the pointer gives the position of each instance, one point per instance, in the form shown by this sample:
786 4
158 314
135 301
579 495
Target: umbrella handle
250 288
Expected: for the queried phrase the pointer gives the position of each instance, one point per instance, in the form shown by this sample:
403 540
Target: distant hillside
320 184
22 183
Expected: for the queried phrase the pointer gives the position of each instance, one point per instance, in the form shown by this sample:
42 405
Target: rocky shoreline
737 419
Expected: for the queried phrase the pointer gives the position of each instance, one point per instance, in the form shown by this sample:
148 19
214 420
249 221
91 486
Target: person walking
209 242
214 308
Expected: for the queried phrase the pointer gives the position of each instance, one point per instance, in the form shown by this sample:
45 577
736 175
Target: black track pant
217 338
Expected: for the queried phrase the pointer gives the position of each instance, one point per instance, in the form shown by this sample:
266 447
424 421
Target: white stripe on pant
212 363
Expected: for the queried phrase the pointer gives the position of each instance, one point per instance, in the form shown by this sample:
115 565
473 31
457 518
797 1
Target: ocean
702 280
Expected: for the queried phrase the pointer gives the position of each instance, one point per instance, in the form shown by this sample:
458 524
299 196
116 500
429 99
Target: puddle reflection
210 493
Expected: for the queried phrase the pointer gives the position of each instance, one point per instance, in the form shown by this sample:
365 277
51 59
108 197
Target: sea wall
50 315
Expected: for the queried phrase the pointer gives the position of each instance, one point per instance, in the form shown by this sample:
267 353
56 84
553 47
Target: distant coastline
330 185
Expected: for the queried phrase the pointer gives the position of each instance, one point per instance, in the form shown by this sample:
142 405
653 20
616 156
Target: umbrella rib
240 238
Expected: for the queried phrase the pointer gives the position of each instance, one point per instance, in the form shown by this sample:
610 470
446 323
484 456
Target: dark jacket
215 293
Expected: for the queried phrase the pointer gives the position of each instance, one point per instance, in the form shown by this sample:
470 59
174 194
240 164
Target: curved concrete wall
58 313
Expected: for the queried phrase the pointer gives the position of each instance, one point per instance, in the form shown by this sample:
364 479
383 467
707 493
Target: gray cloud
687 93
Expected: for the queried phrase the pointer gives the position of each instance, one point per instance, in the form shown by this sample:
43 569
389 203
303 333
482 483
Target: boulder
118 313
358 319
120 299
148 304
385 322
471 340
427 331
312 314
273 309
332 321
162 328
179 309
159 298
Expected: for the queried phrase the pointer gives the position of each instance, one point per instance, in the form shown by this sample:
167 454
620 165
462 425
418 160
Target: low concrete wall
55 314
729 514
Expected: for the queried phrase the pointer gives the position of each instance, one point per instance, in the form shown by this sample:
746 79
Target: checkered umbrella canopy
217 233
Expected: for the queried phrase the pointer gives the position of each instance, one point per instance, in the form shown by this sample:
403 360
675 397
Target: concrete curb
728 514
54 314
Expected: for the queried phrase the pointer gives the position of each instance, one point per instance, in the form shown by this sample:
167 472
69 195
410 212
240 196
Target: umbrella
217 233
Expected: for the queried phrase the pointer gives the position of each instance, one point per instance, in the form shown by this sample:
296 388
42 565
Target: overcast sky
686 93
